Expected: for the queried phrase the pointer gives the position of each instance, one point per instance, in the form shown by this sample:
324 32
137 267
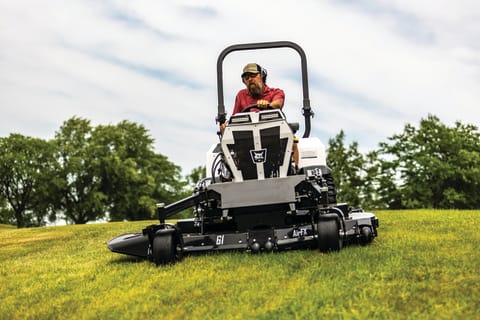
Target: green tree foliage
112 172
432 166
197 174
133 177
348 170
436 166
85 173
88 173
170 185
80 197
385 193
26 171
6 215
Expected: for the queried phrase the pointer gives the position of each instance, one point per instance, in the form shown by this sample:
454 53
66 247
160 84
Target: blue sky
373 65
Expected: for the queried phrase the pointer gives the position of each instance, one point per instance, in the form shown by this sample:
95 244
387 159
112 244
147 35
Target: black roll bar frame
306 110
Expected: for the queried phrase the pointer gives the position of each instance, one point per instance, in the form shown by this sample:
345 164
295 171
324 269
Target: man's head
254 77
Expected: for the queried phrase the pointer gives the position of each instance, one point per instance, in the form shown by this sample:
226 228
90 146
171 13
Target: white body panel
254 125
311 152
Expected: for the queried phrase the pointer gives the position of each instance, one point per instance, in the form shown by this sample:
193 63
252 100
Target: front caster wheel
328 236
366 235
166 247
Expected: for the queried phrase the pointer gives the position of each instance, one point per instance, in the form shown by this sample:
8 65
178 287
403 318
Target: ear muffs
263 72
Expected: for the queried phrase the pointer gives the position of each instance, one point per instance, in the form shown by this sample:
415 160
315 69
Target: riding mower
258 195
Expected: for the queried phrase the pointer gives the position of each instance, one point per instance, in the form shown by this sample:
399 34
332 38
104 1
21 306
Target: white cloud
373 65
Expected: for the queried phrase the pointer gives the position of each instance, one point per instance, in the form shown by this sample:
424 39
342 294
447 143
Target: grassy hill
424 265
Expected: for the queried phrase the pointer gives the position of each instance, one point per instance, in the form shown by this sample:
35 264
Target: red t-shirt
244 99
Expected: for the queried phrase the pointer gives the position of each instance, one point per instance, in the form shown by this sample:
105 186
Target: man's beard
255 90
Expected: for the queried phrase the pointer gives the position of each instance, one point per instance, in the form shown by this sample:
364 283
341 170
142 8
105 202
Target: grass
424 265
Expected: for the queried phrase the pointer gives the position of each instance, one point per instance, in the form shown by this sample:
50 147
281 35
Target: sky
373 66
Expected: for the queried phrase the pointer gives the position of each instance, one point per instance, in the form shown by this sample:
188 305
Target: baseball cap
250 68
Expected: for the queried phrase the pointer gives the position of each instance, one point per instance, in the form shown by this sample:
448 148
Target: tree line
112 172
429 166
86 173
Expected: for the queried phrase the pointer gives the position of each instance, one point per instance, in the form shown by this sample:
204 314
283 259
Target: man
257 92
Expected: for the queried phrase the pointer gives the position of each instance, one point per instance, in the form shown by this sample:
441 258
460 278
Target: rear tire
328 235
332 192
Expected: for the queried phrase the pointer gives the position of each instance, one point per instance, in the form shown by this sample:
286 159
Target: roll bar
306 110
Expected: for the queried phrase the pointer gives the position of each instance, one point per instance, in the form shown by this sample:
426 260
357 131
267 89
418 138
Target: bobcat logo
259 156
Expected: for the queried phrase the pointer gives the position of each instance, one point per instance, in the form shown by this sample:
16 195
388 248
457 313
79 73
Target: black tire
328 235
166 248
366 235
332 192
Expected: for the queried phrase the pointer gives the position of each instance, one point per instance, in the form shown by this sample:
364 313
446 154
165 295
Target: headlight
264 116
240 119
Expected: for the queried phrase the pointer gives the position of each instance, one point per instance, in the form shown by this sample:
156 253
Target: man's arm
276 102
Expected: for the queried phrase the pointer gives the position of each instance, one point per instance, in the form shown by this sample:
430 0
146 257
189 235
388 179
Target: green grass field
424 265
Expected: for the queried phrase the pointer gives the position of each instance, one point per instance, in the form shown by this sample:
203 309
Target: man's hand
275 104
263 104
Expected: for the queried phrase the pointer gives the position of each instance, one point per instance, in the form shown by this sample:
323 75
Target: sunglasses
247 76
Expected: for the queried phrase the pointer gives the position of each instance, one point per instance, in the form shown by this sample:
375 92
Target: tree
169 183
383 179
197 174
133 177
348 171
6 214
123 154
26 171
112 171
79 188
436 166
